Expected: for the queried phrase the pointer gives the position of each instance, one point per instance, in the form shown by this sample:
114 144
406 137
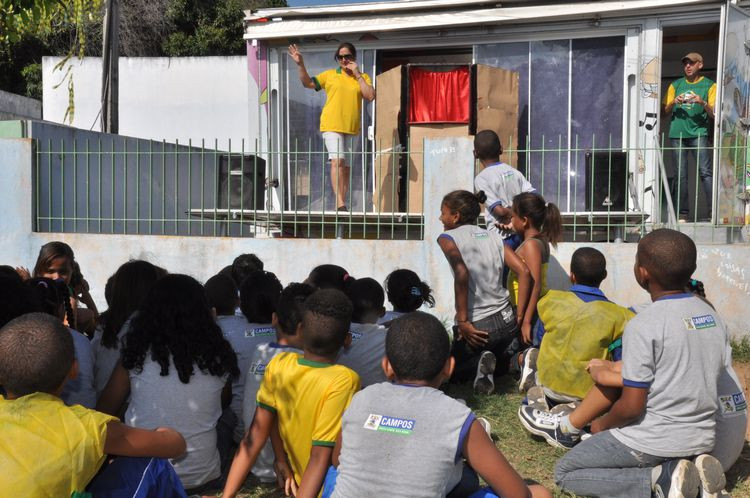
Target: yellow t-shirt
341 112
309 399
48 449
576 332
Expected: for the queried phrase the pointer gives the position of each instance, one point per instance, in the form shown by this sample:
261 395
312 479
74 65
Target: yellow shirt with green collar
308 398
48 449
341 112
690 120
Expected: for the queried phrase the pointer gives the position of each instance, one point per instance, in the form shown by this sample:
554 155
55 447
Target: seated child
177 368
577 326
413 434
406 293
329 277
127 290
499 181
367 349
673 354
55 450
286 320
304 396
731 417
259 295
55 300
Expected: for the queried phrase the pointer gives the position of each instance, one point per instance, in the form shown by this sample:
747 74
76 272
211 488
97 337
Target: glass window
596 104
569 90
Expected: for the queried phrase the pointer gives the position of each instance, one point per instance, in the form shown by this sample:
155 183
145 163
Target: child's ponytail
407 292
466 204
552 226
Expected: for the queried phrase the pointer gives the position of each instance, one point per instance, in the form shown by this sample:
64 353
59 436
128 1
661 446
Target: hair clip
346 277
546 204
414 291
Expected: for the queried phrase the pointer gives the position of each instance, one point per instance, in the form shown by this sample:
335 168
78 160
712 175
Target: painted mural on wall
734 166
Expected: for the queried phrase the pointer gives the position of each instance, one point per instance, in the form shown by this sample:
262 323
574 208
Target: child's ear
382 312
213 313
72 375
348 340
572 278
275 320
388 369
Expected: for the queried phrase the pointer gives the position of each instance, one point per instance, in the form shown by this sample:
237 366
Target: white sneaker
712 476
484 382
528 372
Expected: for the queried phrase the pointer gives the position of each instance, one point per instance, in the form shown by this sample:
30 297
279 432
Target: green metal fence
130 186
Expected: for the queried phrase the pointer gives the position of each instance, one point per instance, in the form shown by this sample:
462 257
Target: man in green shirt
691 102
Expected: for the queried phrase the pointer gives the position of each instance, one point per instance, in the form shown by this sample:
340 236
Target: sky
305 3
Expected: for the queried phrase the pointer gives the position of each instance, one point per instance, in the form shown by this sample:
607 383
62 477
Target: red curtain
439 96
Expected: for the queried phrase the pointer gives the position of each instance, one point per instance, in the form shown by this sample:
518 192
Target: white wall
161 98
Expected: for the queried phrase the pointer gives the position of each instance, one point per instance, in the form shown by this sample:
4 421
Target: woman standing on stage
345 88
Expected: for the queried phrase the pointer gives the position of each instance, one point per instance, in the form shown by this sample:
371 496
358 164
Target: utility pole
110 64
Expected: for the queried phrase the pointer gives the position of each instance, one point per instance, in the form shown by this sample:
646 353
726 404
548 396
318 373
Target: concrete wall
177 98
14 106
722 267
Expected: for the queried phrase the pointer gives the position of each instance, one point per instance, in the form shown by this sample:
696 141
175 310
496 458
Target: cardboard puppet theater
415 103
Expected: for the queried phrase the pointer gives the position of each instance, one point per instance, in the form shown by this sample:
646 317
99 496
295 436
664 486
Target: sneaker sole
538 432
711 475
527 380
686 481
483 383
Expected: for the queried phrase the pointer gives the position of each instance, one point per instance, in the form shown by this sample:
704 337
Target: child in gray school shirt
673 354
407 438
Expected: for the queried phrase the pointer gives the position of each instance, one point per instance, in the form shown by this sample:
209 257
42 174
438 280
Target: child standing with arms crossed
485 321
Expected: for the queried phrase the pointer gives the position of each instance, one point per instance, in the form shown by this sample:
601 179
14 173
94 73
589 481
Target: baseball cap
693 57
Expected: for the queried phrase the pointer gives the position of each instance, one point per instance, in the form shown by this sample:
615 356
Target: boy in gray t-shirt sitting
673 354
406 438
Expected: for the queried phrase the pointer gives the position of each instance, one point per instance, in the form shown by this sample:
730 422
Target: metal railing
130 186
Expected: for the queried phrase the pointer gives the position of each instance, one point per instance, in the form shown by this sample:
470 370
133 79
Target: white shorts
341 145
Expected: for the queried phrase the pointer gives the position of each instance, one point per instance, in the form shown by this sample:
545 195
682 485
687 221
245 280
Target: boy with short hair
577 326
499 181
367 349
407 438
53 449
287 321
673 354
304 396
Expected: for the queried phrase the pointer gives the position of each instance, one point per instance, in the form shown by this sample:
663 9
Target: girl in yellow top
345 88
539 223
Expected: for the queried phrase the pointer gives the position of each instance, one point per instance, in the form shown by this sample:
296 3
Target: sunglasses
348 57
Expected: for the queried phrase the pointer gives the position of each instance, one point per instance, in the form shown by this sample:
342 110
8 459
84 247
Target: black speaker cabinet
243 179
606 180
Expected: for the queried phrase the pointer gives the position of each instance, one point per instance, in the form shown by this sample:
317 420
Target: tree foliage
30 29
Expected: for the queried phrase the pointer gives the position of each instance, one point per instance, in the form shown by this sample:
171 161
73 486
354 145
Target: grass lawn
533 458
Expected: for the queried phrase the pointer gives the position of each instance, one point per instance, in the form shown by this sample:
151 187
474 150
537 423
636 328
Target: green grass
533 458
741 349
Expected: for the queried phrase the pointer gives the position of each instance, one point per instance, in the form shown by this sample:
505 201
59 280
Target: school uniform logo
480 234
732 403
355 335
260 332
394 425
699 322
258 368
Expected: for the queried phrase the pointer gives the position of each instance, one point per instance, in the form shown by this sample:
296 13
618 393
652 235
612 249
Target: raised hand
295 54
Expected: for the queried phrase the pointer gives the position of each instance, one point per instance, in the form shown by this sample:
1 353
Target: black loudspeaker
243 179
606 180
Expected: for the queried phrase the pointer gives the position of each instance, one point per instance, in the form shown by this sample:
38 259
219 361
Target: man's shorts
341 145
